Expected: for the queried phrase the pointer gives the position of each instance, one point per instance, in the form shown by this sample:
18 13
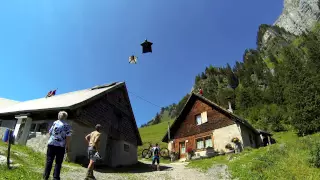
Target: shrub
235 140
228 146
315 155
190 151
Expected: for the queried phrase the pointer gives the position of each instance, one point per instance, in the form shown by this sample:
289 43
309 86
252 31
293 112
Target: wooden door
182 149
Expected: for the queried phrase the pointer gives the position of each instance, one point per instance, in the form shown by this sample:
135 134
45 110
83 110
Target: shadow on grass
140 167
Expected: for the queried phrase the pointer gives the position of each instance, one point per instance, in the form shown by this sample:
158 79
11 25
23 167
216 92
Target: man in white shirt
156 156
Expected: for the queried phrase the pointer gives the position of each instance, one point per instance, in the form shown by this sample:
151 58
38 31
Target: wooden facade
189 132
113 111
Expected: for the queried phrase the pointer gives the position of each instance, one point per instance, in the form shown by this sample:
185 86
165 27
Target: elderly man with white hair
58 145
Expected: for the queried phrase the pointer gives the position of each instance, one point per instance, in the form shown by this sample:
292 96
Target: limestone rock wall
299 15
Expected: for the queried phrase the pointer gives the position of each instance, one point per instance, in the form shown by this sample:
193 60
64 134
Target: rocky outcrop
299 16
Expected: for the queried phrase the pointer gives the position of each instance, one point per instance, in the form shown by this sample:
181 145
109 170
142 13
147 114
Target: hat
98 126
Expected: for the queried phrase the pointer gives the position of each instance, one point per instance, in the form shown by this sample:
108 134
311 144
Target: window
208 142
204 142
182 147
126 147
200 144
32 128
198 119
201 118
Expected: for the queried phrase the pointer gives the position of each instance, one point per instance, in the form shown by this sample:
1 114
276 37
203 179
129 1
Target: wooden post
168 132
9 147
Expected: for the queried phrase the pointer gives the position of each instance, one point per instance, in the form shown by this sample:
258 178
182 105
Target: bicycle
147 153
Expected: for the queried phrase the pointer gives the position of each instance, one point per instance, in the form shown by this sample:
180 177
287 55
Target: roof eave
72 107
165 138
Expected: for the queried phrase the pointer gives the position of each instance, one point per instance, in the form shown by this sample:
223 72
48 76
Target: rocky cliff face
299 15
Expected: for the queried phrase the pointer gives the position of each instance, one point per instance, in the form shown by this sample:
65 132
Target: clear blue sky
76 44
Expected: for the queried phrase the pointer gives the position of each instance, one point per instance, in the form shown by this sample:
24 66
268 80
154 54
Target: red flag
49 94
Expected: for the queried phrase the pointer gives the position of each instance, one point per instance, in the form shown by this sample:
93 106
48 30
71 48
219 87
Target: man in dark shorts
93 140
156 156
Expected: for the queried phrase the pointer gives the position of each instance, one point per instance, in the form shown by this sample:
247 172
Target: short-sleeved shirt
58 133
94 139
154 151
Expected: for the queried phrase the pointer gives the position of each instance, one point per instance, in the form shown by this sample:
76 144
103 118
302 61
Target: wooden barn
108 105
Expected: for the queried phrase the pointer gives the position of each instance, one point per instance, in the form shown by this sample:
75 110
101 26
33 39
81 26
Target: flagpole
169 145
168 132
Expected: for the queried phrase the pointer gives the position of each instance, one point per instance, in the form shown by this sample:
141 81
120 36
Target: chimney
230 108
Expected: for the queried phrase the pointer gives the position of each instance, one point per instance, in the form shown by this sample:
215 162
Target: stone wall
38 142
224 135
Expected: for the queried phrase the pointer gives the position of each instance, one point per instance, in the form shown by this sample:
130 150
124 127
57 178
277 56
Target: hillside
26 163
275 85
153 134
288 159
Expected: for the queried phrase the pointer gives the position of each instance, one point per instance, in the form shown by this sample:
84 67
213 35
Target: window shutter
204 117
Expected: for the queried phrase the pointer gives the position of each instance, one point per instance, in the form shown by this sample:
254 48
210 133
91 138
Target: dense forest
276 86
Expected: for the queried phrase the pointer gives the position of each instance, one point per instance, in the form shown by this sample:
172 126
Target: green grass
32 163
288 159
165 117
154 134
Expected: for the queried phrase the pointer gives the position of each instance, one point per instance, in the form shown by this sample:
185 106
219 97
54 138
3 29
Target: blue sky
77 44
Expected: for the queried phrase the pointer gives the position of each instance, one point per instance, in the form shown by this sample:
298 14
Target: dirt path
173 171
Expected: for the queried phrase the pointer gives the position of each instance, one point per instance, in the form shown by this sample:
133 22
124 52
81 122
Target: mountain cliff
299 16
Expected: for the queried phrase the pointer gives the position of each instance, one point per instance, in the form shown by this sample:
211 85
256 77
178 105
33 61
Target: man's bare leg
90 169
91 164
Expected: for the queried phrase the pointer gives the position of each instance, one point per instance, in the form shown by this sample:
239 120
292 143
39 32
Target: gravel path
173 171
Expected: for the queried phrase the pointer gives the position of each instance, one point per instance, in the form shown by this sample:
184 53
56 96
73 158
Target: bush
228 146
315 155
235 140
190 151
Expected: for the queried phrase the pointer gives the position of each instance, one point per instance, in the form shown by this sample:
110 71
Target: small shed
266 138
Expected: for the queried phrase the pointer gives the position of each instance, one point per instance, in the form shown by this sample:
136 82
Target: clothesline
144 99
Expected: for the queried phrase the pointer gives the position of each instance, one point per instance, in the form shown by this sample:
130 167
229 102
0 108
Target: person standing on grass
58 145
156 156
93 140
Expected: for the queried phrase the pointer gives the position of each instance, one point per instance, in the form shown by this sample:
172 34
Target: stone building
108 105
